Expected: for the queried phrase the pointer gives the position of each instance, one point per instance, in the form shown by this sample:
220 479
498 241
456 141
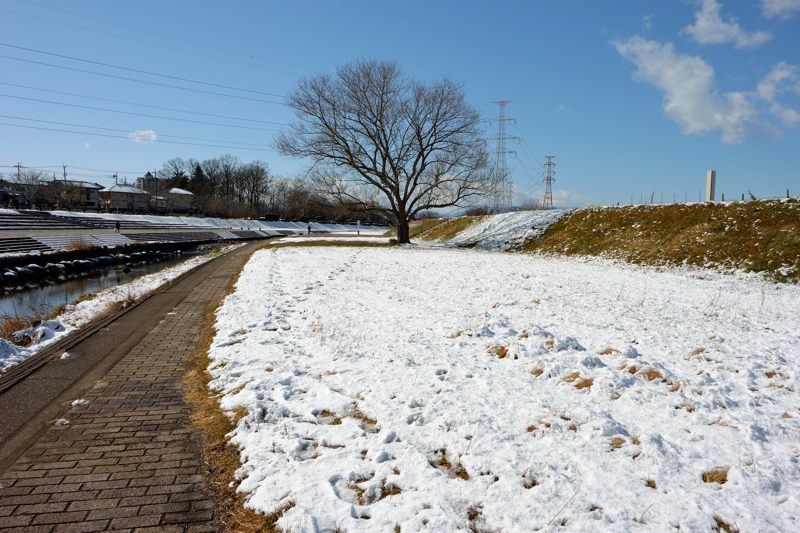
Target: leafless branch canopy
376 137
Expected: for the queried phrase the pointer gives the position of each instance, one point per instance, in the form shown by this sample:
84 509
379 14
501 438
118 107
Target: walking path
127 460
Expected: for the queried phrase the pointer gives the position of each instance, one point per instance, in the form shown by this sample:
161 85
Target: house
159 205
124 197
73 194
180 200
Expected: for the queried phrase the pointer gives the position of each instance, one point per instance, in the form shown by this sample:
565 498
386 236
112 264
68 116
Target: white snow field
506 230
447 390
77 315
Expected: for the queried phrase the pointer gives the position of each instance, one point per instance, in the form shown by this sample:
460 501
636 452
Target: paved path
127 460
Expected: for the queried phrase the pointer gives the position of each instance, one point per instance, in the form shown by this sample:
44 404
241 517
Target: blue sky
632 98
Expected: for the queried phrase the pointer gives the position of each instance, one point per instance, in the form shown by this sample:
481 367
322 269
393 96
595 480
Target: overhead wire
140 71
257 145
125 138
146 82
125 102
133 113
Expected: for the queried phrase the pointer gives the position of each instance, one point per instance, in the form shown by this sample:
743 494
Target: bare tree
377 138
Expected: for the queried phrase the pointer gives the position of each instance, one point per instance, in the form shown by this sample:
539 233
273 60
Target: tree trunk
403 234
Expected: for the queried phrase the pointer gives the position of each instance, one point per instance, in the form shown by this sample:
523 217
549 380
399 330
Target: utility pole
504 194
548 180
65 173
18 166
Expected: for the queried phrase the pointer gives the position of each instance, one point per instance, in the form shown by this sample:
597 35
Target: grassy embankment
441 229
759 236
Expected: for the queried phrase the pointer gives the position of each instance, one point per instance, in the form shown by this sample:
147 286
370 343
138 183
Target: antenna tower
548 180
504 194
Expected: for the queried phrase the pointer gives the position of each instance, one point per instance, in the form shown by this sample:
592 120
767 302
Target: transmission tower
548 180
504 194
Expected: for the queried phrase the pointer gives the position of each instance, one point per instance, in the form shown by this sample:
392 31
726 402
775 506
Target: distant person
116 226
309 228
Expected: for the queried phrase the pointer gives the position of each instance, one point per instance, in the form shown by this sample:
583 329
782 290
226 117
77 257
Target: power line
141 41
146 82
128 131
163 35
112 100
107 110
128 138
140 71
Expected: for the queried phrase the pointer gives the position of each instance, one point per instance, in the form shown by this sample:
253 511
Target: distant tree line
225 186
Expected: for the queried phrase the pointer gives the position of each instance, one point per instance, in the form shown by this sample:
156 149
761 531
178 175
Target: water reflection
42 299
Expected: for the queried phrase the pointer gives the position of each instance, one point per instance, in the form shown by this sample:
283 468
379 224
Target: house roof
176 190
124 187
73 183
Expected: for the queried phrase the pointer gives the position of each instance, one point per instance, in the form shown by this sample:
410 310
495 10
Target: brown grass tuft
524 334
537 372
584 383
716 475
608 350
651 374
498 350
550 344
11 324
698 351
722 525
616 443
650 484
572 376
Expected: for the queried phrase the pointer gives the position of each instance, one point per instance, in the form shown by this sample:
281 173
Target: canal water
42 299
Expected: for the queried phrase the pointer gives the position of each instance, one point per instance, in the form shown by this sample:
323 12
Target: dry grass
608 350
498 350
722 525
650 484
448 228
716 475
651 374
616 443
572 376
761 236
221 459
454 471
537 372
11 324
77 245
584 383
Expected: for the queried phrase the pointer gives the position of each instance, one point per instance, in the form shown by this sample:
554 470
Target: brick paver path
127 460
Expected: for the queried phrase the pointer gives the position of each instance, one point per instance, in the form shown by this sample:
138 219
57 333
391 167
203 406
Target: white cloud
780 8
710 28
690 96
783 78
647 22
777 79
143 136
561 197
87 146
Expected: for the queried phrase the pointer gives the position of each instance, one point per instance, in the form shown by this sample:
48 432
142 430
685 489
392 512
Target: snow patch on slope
507 230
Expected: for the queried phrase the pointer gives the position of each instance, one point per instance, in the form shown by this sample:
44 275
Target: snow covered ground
444 390
506 230
76 315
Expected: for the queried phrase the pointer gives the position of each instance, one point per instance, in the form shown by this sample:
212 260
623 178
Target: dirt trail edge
102 440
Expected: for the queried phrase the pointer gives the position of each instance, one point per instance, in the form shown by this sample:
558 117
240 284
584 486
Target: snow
373 384
4 211
332 239
506 230
76 315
